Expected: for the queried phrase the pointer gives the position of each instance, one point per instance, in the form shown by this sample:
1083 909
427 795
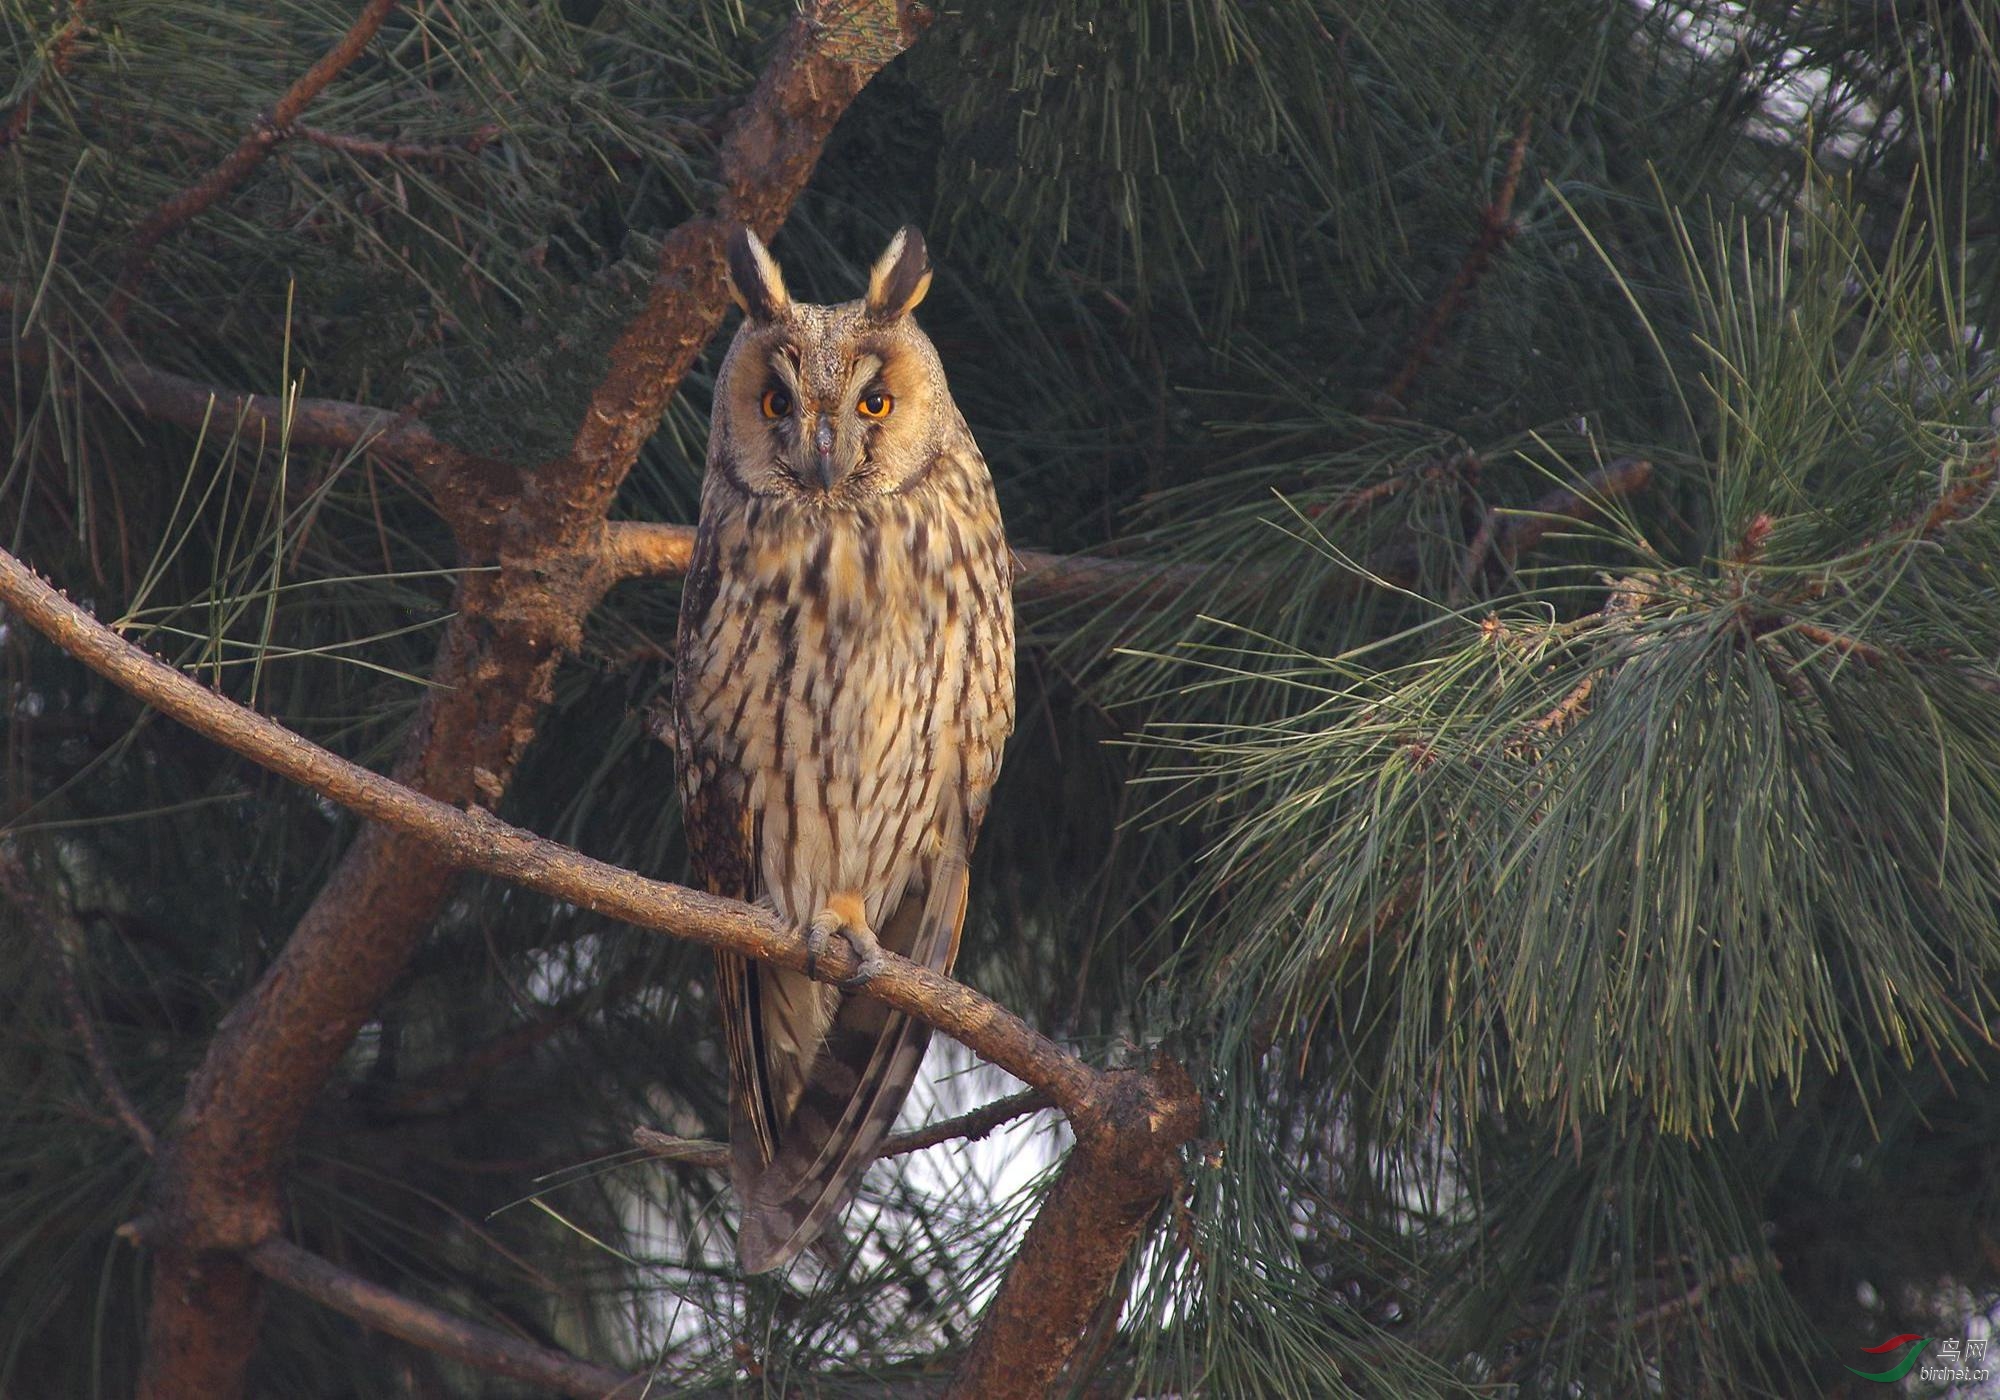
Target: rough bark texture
1124 1165
223 1162
1129 1124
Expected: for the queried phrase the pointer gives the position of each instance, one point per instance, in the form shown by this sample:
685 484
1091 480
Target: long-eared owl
844 684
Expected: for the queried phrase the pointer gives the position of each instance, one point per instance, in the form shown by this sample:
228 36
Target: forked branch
269 129
1128 1123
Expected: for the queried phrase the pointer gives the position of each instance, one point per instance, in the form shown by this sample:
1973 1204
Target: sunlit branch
476 840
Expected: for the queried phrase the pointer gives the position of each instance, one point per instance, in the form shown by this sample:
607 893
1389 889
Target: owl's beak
823 454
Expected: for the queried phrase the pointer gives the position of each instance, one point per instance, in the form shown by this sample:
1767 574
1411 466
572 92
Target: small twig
1359 502
268 130
1496 230
1739 1270
1505 534
1572 505
1565 712
1868 653
61 49
973 1126
1960 500
397 436
1949 508
483 1348
374 148
19 888
1627 596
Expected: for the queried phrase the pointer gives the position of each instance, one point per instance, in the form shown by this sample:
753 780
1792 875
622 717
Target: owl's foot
840 916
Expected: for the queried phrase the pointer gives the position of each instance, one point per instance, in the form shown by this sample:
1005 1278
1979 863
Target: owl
844 684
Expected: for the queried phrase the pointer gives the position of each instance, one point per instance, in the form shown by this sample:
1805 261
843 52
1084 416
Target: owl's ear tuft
900 276
754 280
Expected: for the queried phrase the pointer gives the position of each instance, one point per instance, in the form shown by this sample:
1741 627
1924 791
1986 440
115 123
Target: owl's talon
860 937
869 954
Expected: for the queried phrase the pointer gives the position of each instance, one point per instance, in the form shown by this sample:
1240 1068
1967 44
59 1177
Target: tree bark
223 1160
1129 1124
1123 1166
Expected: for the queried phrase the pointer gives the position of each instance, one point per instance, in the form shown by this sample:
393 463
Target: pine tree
1510 686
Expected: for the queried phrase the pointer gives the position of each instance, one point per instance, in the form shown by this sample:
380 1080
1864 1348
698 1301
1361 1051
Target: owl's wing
724 839
857 1084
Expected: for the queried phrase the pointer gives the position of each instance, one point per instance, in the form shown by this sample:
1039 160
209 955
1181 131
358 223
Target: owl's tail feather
857 1086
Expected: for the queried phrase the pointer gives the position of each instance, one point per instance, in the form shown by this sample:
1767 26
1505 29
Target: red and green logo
1901 1368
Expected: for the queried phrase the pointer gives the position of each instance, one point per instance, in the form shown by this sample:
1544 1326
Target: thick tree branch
636 549
1124 1165
970 1127
1128 1123
319 423
476 840
535 534
488 1350
269 129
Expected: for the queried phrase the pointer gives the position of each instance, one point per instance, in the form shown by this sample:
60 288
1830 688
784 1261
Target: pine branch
1506 534
482 1348
972 1127
16 885
320 423
535 535
61 49
268 130
1496 230
1128 1123
639 549
374 148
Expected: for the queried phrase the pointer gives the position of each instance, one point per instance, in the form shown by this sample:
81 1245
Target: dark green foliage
1587 953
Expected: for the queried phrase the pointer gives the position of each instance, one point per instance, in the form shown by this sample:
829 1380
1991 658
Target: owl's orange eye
875 404
777 403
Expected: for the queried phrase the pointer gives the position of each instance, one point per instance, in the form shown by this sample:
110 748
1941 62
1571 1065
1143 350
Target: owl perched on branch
844 685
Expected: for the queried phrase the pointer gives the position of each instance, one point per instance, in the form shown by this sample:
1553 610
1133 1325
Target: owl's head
831 405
